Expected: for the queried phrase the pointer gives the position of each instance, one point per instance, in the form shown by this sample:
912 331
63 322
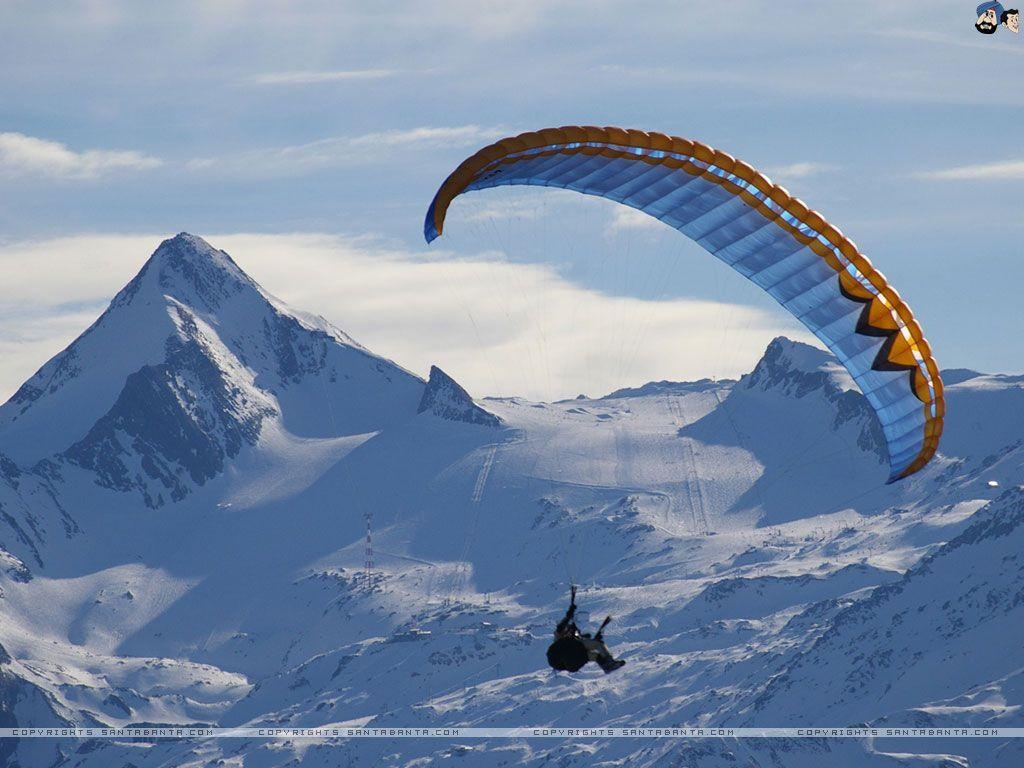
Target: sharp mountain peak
192 315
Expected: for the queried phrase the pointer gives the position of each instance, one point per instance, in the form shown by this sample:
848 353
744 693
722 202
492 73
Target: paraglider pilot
572 649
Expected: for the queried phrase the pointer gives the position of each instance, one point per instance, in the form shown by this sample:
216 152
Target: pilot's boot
609 664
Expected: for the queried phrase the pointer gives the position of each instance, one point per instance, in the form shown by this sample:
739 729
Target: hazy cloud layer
500 328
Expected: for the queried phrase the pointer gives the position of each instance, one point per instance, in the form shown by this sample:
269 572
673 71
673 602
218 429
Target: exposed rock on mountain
446 399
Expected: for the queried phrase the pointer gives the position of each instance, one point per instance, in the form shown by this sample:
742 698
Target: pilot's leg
598 652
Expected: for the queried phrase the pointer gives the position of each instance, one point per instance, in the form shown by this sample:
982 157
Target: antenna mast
368 559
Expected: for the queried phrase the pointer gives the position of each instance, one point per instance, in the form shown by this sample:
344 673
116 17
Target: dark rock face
796 370
29 513
297 350
444 398
853 407
10 563
9 471
174 421
780 370
210 274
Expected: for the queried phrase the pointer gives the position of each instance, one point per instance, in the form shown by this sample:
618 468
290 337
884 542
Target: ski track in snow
485 471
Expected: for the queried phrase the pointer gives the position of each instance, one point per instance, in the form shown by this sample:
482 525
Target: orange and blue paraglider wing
758 229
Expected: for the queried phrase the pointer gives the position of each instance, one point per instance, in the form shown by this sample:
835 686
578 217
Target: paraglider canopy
760 230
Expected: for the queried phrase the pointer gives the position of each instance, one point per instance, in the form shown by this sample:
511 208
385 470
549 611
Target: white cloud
22 155
428 137
344 150
799 170
499 328
1001 171
313 77
625 218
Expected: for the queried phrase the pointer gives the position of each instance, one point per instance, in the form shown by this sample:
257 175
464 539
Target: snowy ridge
668 387
944 633
979 578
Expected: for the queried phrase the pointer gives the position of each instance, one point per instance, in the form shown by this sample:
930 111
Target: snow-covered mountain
947 633
184 494
191 363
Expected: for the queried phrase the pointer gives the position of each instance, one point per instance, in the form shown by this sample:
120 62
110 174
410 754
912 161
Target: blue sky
314 134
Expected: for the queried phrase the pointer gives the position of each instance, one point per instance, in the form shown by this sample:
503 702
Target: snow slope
946 633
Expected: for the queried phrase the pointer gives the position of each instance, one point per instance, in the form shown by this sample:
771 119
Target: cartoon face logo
1011 20
988 17
987 23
